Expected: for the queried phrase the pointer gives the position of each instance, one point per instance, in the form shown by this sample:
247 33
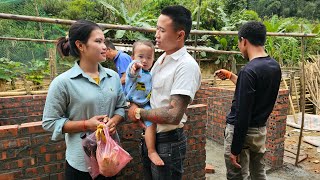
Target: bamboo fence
313 81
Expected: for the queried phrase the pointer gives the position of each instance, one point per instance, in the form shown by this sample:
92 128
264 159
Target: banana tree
138 19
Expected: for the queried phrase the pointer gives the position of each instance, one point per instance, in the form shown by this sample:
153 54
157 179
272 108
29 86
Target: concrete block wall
219 101
27 152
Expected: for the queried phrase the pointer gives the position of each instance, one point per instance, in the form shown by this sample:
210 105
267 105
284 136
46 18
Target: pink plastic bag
89 145
110 156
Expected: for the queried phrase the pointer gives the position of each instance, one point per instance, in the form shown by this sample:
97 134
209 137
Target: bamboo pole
40 26
126 45
196 37
27 39
52 63
296 92
140 29
207 49
303 103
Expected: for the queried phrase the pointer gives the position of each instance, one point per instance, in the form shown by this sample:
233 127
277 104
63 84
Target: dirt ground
306 170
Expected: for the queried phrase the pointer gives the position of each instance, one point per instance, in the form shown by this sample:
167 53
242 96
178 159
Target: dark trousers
74 174
171 147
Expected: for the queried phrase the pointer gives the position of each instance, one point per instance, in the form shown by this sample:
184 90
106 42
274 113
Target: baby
138 90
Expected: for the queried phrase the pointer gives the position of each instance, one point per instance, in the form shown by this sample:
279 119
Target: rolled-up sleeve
55 108
121 101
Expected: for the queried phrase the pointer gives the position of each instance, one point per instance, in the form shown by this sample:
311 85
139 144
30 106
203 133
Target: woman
79 99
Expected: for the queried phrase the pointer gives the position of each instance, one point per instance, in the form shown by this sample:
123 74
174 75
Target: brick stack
27 151
276 129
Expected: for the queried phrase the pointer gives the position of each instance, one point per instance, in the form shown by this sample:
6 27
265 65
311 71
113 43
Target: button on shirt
173 74
75 96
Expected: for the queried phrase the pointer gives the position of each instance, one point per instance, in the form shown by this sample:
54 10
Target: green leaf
223 42
203 54
119 34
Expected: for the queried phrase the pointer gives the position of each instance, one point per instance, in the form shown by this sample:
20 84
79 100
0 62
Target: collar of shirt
116 57
76 71
175 56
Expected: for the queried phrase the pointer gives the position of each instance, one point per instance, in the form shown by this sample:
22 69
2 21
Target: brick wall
28 153
21 109
219 100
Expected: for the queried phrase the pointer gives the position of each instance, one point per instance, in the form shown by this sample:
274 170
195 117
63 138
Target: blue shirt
255 95
73 96
122 61
138 87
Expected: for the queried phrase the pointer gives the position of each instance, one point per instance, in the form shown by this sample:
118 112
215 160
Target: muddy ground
306 170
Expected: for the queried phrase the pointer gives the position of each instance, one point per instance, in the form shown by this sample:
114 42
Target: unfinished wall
28 153
219 103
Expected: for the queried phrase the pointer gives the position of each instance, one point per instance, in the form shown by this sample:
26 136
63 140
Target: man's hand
135 68
131 112
235 160
223 74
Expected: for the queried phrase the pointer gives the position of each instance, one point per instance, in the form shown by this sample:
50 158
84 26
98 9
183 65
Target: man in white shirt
176 77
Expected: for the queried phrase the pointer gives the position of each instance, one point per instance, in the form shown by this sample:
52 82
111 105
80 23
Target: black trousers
74 174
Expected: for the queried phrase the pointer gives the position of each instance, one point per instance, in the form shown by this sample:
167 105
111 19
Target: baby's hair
144 42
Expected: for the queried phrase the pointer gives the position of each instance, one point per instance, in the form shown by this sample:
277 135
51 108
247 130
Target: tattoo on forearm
171 114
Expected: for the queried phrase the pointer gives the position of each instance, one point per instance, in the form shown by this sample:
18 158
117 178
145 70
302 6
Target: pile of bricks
27 151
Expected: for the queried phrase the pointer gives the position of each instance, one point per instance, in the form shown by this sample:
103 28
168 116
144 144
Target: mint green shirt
74 96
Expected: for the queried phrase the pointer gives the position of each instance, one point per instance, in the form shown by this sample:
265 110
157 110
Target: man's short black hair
255 32
181 18
109 44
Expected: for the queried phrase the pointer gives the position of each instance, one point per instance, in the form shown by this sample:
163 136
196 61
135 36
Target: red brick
14 143
12 175
209 169
31 128
10 131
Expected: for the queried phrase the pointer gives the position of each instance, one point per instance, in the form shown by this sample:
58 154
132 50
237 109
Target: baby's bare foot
155 158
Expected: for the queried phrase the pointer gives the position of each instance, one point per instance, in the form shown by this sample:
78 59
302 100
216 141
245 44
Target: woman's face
94 49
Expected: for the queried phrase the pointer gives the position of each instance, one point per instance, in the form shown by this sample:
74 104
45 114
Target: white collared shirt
177 73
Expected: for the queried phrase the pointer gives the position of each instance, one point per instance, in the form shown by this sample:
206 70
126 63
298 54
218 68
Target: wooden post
303 96
52 63
195 36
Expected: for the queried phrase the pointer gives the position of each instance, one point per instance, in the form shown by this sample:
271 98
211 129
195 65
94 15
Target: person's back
268 77
257 87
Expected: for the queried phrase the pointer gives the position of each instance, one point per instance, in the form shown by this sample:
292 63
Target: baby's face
145 54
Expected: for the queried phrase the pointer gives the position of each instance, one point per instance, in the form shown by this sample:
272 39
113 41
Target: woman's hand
91 124
111 124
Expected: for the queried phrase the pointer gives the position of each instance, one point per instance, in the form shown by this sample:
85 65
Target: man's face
166 36
242 45
109 55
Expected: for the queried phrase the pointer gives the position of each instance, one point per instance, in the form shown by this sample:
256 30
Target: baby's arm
136 66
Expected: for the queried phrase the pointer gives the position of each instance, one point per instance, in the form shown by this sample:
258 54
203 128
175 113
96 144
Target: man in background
257 87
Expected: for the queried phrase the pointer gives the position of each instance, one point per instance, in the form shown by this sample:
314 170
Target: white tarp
311 121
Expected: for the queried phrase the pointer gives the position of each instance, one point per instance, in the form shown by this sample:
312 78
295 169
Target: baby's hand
135 68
